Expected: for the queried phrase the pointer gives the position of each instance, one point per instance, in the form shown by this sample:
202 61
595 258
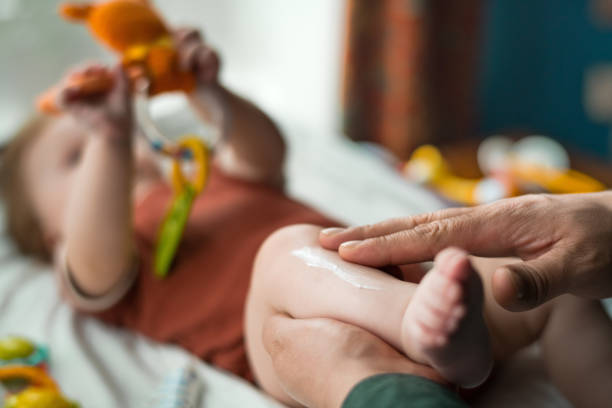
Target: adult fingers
318 361
525 285
290 344
331 238
323 345
475 232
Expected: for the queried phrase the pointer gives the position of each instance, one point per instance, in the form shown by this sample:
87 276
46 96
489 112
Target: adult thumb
526 285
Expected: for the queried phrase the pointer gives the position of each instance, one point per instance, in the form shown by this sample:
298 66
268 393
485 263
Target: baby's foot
443 325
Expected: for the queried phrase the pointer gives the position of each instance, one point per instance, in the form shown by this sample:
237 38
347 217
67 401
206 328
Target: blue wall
536 54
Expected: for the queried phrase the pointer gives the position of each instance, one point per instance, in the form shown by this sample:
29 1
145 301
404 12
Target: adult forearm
98 229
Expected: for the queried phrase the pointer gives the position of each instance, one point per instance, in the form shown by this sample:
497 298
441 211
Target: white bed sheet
99 366
105 367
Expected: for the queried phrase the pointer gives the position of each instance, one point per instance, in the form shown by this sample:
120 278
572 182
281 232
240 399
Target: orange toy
134 30
41 392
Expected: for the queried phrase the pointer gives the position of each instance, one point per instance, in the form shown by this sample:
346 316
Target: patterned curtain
410 71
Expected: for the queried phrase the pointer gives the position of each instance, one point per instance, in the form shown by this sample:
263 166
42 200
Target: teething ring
199 155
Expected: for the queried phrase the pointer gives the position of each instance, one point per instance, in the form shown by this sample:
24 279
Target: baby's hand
100 99
195 56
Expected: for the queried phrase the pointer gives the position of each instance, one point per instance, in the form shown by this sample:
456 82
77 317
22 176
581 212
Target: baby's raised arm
97 233
252 147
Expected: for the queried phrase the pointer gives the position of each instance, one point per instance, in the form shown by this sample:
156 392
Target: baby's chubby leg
438 322
294 275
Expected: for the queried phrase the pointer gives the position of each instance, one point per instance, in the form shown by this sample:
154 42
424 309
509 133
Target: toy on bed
23 375
133 30
533 164
180 388
15 350
40 392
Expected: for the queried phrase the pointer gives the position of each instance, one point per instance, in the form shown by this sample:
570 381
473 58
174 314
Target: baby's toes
441 292
453 263
454 318
432 317
440 286
427 337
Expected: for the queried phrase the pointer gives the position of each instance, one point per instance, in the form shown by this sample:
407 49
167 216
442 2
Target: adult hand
319 361
564 242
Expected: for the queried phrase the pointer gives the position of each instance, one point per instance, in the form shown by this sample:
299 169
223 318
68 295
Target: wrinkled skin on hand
318 361
564 243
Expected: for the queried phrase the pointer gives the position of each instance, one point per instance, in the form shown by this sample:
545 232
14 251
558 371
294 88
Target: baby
82 193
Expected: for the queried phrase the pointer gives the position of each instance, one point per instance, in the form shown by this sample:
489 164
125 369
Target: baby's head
37 169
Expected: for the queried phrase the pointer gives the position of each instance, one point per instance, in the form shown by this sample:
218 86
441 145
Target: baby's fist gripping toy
145 45
134 30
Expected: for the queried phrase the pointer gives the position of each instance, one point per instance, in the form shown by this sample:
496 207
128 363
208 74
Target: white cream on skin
316 257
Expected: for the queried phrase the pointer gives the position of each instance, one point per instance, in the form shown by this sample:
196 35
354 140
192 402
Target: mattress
100 366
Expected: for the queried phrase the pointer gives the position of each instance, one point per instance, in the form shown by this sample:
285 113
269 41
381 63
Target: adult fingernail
328 232
350 244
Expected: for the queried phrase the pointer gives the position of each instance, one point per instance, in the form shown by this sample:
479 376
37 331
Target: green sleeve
401 390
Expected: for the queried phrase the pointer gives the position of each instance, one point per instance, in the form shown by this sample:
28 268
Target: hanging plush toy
533 164
134 30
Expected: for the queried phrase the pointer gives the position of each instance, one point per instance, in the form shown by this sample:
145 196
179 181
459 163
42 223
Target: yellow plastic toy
185 192
508 169
15 347
42 391
17 350
134 30
427 166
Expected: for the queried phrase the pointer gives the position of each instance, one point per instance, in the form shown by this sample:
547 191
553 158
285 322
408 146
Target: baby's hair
23 224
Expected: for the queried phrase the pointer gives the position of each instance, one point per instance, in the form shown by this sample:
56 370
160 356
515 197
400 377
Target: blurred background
285 55
452 73
397 72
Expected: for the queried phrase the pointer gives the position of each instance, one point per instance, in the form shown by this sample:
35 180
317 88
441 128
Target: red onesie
199 306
